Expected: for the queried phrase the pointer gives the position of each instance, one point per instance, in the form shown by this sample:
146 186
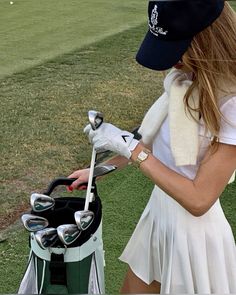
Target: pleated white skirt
186 254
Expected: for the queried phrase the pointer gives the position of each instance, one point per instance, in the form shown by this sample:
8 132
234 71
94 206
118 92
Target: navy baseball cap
172 26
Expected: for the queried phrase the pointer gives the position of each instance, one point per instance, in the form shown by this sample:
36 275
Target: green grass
35 31
44 110
233 3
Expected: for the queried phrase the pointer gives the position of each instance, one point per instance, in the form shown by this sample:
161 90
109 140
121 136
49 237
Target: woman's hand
109 137
82 177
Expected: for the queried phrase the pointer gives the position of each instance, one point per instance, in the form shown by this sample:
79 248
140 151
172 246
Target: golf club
40 202
103 169
46 238
34 223
68 233
85 217
99 170
96 120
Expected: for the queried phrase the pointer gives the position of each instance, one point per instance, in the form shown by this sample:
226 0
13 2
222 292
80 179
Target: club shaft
92 164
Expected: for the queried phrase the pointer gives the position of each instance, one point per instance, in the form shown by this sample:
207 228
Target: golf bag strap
57 269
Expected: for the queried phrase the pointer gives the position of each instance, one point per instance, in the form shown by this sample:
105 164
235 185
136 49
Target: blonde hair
212 59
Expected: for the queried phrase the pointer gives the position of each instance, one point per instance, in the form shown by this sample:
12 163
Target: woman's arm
120 162
199 194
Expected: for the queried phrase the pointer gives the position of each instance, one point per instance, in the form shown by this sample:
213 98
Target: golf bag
77 268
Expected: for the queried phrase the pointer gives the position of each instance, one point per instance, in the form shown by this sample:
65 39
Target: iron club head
95 119
101 170
40 202
34 223
68 233
84 219
46 238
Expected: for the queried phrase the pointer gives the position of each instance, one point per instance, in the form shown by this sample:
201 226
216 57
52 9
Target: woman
183 242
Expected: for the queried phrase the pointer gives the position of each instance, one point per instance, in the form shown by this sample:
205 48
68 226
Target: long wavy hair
212 60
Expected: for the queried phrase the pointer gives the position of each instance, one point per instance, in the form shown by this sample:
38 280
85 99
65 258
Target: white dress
186 254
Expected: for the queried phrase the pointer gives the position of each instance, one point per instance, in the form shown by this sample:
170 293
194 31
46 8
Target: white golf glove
109 137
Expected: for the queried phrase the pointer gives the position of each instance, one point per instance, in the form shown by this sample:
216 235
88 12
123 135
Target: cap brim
161 55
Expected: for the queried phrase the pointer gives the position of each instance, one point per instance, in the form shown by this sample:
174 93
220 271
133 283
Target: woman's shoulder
228 121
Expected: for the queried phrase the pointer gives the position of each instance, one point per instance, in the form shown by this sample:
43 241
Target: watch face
142 156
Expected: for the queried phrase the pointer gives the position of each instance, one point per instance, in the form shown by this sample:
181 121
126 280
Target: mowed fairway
53 77
34 31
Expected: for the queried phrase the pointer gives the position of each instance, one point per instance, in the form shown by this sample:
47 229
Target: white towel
183 128
184 138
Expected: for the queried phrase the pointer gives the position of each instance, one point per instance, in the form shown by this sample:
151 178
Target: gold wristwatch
142 156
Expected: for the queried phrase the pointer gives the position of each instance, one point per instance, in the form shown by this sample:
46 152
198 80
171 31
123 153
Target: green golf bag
74 269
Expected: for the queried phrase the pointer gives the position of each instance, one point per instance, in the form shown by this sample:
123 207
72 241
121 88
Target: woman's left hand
109 137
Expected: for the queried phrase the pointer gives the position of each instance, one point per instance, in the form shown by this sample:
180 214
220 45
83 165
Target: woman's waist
164 206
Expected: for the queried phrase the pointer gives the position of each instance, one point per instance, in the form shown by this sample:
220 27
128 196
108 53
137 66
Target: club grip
58 181
66 182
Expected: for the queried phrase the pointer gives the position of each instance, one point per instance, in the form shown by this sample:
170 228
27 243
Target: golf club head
101 170
34 223
40 202
84 219
95 119
68 233
46 238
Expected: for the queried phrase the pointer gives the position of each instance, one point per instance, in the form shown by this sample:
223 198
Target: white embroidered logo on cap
153 23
